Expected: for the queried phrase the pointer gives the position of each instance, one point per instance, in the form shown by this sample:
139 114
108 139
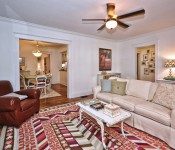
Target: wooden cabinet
107 76
63 77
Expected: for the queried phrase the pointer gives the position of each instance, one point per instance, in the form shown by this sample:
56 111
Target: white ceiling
67 15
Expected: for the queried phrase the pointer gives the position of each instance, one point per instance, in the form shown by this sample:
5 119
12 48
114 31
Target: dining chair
27 84
41 83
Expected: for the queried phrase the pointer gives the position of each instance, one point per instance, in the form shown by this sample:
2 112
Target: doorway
146 63
49 63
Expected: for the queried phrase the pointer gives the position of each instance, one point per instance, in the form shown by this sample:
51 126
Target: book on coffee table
97 106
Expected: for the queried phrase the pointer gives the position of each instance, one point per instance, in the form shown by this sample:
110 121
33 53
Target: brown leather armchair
13 111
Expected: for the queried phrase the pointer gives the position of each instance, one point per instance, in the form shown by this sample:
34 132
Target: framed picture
105 59
145 57
151 65
143 63
152 59
152 70
146 71
22 61
152 54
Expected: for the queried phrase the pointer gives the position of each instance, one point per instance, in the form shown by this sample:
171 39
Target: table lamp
170 64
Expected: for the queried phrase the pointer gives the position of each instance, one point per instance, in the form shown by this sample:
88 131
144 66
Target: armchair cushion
21 97
31 93
27 104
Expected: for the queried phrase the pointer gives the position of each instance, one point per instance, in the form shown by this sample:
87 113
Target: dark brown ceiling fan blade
93 19
110 9
123 25
102 27
132 14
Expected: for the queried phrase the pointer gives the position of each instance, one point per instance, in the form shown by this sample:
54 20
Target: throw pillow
165 95
21 97
106 85
118 87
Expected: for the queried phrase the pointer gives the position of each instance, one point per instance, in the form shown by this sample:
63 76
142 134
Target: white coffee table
102 118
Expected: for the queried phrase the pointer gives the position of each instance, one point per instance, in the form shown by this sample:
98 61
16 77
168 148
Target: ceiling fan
112 21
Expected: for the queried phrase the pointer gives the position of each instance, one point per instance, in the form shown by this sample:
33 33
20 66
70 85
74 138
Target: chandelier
37 53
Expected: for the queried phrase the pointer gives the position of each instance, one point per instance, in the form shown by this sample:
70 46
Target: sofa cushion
165 95
152 90
154 111
106 85
118 87
107 97
139 88
127 102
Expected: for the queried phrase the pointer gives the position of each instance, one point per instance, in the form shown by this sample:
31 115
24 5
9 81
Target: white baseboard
78 94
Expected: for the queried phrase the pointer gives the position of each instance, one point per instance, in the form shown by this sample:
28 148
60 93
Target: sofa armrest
31 93
173 118
96 90
9 103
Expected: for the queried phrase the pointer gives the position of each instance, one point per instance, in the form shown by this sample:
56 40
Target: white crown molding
4 19
147 34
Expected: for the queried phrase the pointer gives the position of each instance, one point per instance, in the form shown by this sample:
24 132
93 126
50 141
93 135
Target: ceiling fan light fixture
111 24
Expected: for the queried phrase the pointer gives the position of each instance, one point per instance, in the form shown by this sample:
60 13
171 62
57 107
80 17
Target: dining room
41 61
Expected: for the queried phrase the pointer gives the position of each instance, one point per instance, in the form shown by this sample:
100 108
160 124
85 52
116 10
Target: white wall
165 46
82 53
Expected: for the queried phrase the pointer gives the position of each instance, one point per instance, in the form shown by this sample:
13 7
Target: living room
156 27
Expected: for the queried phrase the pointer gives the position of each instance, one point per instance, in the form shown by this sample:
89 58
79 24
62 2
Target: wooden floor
61 89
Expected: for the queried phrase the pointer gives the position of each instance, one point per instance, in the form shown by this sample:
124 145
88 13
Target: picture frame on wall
151 65
143 63
105 59
22 61
145 57
146 71
152 54
152 70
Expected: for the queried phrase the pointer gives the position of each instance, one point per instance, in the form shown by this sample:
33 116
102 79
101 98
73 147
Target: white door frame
156 55
19 36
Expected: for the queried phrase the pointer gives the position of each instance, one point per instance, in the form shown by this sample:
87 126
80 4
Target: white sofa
147 115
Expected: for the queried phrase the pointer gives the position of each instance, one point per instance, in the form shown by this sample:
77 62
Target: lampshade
37 53
170 63
111 24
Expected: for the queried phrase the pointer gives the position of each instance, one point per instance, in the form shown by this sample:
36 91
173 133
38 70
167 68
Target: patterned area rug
49 94
58 128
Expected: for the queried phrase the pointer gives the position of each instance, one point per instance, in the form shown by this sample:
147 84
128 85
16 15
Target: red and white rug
58 128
